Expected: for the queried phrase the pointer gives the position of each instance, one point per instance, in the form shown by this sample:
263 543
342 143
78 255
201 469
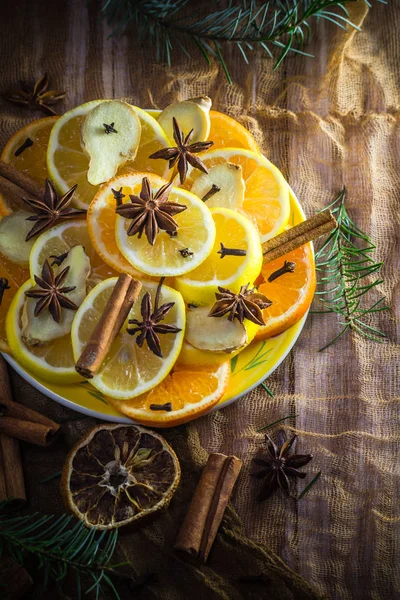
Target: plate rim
126 420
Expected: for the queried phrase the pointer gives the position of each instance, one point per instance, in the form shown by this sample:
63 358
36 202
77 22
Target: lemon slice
171 256
233 230
128 370
101 218
266 199
59 240
53 361
68 164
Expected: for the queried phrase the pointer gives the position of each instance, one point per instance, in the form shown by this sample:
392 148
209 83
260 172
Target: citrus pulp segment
171 256
129 370
68 164
233 230
101 218
291 294
118 474
60 239
225 131
266 200
52 361
190 393
26 151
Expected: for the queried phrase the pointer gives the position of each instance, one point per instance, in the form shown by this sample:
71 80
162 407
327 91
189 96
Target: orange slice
101 219
226 131
32 160
266 199
291 293
189 392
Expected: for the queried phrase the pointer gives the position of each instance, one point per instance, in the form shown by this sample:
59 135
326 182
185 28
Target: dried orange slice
291 293
119 474
101 219
226 131
186 394
32 159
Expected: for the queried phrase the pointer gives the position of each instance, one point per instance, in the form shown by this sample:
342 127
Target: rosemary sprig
345 266
60 545
245 24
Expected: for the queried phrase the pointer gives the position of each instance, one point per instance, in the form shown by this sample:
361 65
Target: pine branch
59 545
283 24
346 266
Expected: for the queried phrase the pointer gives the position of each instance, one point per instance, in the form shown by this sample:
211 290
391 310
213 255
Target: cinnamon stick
27 431
22 180
124 294
307 231
207 507
11 474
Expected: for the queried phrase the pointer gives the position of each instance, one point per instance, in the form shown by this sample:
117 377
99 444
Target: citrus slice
170 255
60 239
291 294
68 164
30 159
52 361
101 218
129 370
233 230
119 474
266 199
187 393
225 131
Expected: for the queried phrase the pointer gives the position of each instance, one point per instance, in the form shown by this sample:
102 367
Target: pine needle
310 485
60 545
285 26
345 268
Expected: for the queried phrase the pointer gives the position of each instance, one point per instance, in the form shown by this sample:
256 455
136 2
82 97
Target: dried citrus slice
52 361
226 131
119 474
101 218
233 230
188 394
31 159
68 164
291 293
60 239
266 199
129 370
170 256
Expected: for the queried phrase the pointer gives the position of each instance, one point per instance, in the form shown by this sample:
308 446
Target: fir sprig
345 265
245 24
60 545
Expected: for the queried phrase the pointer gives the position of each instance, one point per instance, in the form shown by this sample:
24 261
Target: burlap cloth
325 122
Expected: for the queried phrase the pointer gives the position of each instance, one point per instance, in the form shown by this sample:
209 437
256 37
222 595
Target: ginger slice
110 136
13 230
41 329
190 114
213 334
224 186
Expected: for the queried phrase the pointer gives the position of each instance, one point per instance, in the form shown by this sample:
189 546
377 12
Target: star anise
151 324
279 465
51 292
184 152
50 209
36 97
150 212
247 304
